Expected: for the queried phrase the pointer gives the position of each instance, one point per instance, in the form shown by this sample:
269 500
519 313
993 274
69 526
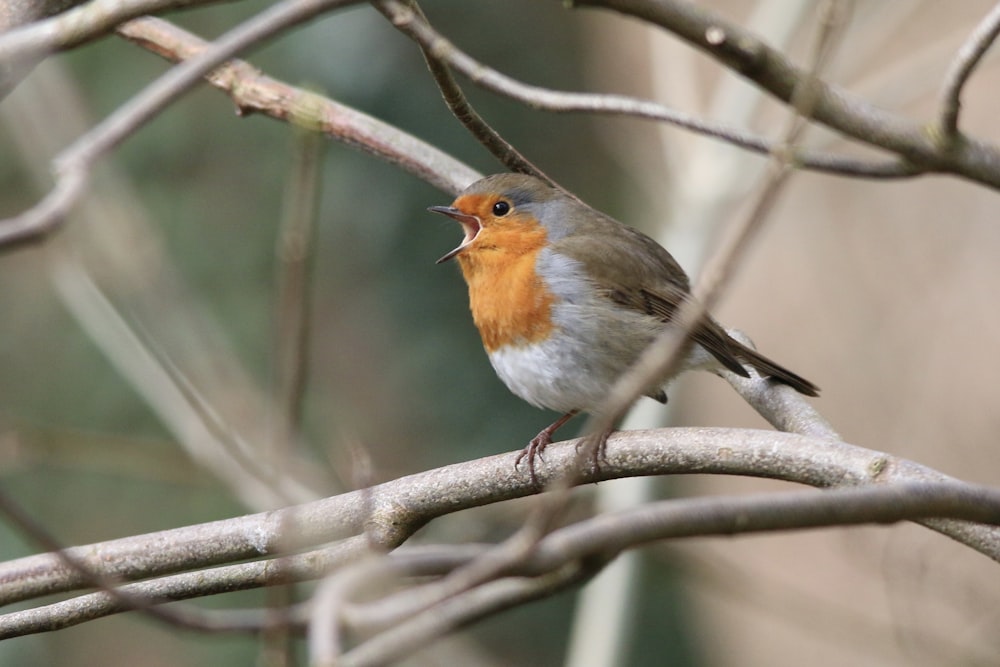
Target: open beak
470 225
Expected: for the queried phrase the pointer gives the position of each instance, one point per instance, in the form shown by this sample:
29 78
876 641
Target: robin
567 298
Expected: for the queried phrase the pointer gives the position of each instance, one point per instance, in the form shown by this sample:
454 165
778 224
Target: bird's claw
532 452
599 449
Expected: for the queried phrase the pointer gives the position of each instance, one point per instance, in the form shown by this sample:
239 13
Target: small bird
567 298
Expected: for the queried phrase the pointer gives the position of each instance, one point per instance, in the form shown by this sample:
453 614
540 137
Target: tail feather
733 354
772 370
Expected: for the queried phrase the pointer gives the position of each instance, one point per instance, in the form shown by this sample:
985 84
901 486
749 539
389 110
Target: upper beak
470 225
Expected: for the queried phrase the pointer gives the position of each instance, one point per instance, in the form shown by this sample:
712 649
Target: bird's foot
534 451
598 449
538 444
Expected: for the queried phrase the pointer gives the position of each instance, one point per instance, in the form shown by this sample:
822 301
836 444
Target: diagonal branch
73 165
253 92
460 107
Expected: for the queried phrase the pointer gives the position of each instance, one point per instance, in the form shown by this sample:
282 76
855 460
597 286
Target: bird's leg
540 442
599 452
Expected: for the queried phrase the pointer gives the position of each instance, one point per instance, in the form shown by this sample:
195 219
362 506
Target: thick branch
392 511
13 15
588 543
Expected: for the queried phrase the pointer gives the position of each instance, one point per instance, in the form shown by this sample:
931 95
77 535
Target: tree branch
14 14
554 562
550 100
79 25
965 62
573 552
73 165
460 107
489 598
253 92
835 107
392 511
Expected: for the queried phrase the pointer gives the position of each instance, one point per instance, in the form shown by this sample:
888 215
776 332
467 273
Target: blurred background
883 293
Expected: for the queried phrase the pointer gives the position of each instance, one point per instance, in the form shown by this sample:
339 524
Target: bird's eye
501 208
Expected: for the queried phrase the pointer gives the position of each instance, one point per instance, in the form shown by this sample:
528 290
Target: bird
566 298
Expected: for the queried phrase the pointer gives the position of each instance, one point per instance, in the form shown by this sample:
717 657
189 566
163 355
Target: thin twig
187 617
293 308
551 100
332 599
72 166
79 25
837 108
454 613
664 355
460 107
253 92
139 357
961 68
292 324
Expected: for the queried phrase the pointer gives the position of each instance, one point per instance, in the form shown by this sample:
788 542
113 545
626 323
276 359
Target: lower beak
470 225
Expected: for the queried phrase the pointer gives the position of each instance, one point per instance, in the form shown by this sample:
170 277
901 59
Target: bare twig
73 165
550 100
838 109
508 155
292 325
172 394
191 618
663 355
81 24
332 600
14 14
491 597
253 92
965 62
293 310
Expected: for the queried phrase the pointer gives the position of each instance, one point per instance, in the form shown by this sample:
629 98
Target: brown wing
709 335
730 352
637 272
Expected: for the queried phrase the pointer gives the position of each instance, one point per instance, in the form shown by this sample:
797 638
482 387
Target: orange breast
510 304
